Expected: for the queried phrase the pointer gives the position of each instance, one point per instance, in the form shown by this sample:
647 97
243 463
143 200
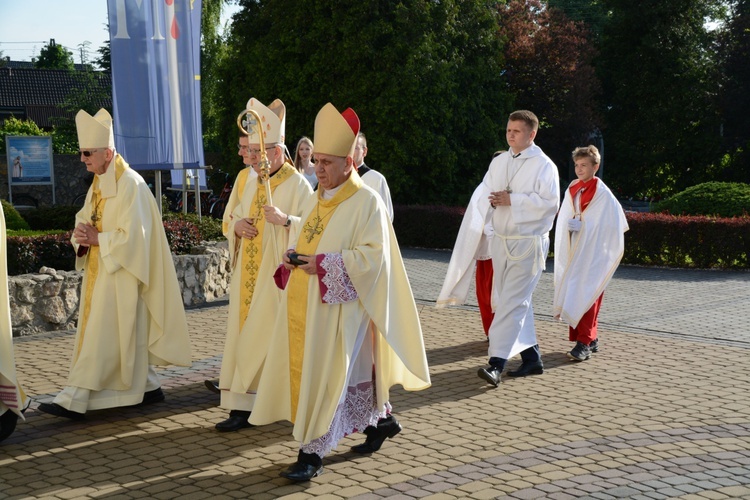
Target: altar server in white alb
589 244
131 314
524 194
12 397
258 233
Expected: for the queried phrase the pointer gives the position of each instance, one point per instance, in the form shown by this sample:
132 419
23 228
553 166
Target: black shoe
237 420
308 466
594 345
213 386
7 424
581 352
387 428
491 375
58 411
151 397
528 369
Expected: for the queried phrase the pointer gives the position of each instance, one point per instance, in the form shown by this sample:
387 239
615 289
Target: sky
27 25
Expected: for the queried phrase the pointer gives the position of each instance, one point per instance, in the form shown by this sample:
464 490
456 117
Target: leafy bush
181 235
720 199
60 217
13 219
209 229
28 253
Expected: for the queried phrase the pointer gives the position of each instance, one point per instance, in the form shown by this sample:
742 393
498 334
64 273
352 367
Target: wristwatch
288 221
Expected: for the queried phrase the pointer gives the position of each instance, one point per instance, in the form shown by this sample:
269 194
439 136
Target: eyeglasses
240 147
87 153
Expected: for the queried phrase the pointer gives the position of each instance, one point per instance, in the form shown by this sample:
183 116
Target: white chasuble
254 297
323 319
134 293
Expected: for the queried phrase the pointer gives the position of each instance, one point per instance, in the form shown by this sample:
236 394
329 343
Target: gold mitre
95 131
272 121
336 133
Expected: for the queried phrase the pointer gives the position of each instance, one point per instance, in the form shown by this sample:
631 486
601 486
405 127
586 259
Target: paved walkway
662 411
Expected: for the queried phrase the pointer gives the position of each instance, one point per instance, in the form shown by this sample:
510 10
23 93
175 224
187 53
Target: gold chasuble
253 296
361 281
129 287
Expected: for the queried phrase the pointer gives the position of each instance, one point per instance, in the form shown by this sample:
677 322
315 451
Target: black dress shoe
151 397
491 375
376 436
237 420
212 386
7 424
302 472
528 369
58 411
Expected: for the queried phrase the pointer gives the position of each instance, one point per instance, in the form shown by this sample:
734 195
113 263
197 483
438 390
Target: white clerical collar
330 193
513 154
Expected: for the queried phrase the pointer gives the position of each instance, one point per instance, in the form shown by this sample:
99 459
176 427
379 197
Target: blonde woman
303 161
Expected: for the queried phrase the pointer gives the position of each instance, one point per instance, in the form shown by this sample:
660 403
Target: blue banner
155 50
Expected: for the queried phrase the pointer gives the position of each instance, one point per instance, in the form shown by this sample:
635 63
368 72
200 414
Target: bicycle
219 204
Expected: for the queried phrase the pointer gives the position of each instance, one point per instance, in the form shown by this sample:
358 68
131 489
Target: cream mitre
272 119
95 132
336 133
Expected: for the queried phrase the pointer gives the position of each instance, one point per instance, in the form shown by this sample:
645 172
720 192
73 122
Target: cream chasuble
585 260
12 397
253 294
129 283
316 331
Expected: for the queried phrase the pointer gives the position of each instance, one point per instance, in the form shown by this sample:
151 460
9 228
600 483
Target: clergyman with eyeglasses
131 314
257 230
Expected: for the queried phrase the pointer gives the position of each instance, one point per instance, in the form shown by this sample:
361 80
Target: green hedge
28 252
653 239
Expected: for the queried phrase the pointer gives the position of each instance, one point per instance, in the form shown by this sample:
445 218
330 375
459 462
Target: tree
104 61
734 97
212 54
53 56
423 76
659 80
591 12
549 67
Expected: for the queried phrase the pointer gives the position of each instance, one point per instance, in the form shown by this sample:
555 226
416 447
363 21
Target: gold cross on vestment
311 230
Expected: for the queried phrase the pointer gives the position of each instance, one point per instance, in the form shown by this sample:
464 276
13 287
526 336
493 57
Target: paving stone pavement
662 411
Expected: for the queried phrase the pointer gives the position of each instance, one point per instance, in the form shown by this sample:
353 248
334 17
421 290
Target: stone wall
48 301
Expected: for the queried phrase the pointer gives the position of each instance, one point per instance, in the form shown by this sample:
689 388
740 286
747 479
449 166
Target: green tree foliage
549 69
423 76
213 51
104 61
659 78
53 56
13 220
14 126
734 50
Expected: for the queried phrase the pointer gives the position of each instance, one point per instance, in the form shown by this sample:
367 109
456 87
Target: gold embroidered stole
92 257
297 288
252 249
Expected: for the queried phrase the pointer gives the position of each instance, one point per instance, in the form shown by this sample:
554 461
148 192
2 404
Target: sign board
29 160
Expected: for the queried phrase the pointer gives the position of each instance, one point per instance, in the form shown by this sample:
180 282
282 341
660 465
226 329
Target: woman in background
303 161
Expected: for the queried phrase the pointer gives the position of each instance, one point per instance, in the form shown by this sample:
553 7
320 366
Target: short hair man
371 177
524 194
348 328
131 313
258 232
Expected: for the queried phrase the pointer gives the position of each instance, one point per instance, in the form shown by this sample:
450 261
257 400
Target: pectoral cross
508 189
